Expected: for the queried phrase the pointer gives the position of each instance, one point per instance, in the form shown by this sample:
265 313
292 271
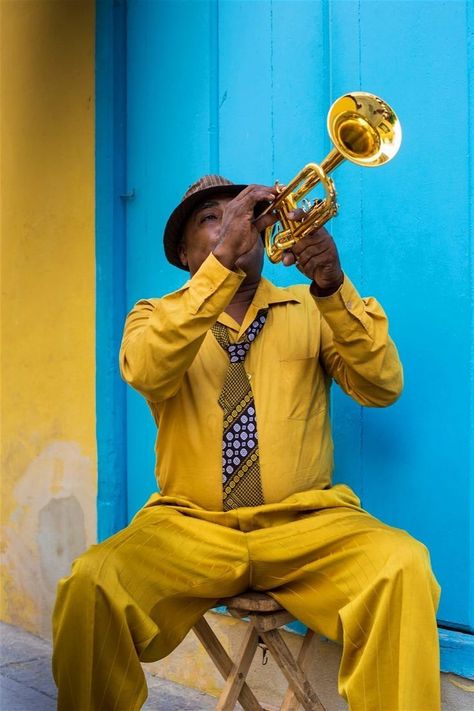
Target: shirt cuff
212 276
344 310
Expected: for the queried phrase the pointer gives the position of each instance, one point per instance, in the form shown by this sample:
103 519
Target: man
237 372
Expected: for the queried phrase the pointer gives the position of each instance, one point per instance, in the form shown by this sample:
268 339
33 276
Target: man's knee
408 557
86 572
402 548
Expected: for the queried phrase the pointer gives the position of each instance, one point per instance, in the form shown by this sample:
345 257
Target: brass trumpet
364 130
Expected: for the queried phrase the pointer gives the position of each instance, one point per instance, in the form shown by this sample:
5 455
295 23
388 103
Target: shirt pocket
304 391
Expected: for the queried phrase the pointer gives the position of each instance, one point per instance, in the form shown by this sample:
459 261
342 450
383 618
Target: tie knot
238 351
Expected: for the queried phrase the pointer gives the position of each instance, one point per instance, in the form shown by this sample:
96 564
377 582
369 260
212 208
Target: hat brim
177 220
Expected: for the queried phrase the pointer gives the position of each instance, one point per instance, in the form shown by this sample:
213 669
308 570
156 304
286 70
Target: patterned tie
240 460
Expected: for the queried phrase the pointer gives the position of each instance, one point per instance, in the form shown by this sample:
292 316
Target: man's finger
288 258
316 239
297 214
265 221
256 193
310 257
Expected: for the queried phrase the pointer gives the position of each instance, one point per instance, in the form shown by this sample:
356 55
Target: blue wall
243 88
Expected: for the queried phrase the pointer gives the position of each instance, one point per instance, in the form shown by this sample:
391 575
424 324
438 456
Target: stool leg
290 702
296 678
223 662
236 678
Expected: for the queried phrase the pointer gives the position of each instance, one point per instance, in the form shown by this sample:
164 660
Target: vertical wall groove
110 263
327 51
272 94
470 158
214 101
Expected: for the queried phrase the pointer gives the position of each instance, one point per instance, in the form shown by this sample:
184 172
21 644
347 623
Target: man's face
202 233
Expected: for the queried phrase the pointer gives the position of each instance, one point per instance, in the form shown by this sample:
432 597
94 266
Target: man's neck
242 300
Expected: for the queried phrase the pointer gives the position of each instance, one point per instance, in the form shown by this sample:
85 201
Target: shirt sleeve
162 336
356 349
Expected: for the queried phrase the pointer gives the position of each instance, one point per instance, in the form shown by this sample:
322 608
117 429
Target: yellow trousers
340 571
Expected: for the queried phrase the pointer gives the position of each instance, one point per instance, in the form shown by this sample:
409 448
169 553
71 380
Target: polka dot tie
240 461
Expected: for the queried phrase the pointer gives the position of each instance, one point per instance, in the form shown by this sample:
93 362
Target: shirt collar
267 295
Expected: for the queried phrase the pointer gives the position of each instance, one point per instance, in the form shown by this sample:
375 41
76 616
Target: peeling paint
46 531
61 538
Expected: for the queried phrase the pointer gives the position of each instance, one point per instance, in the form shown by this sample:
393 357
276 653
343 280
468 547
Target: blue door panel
243 88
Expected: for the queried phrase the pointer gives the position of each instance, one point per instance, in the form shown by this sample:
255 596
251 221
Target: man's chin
251 263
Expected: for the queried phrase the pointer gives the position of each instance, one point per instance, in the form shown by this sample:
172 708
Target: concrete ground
26 683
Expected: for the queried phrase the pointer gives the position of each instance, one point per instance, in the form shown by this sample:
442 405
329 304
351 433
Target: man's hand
239 231
317 258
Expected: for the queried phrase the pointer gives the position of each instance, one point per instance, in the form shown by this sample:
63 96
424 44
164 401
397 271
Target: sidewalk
26 683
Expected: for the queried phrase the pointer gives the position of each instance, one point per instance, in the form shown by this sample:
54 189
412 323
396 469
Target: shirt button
349 305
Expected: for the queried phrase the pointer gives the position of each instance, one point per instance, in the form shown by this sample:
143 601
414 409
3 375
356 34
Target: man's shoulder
291 292
299 290
144 307
150 303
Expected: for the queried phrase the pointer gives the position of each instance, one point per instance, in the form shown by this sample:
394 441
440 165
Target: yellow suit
336 568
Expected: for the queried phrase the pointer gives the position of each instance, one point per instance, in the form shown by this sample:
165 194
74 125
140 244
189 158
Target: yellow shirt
170 356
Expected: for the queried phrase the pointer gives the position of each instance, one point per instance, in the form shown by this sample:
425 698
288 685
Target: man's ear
182 253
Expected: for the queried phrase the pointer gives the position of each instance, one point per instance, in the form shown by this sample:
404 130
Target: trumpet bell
364 129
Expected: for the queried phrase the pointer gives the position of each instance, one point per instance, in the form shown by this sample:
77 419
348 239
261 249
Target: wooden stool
265 616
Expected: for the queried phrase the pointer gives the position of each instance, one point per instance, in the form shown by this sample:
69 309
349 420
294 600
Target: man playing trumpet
237 374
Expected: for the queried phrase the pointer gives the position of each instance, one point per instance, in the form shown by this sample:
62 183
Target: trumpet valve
307 205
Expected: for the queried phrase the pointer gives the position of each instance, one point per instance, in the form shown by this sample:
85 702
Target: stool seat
251 601
265 616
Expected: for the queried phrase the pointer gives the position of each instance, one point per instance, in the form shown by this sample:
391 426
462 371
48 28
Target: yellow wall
48 300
